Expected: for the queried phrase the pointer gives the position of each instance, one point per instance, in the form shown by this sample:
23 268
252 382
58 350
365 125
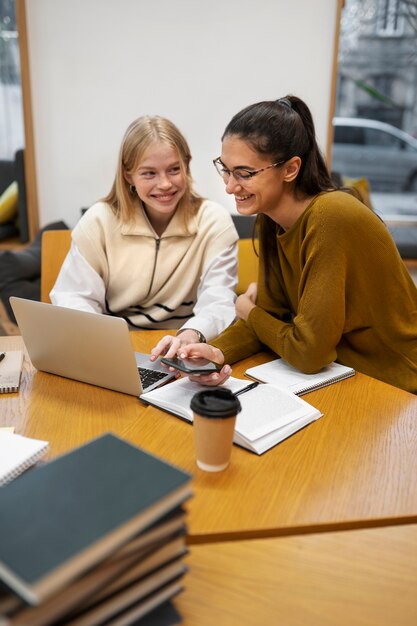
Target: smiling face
160 182
261 193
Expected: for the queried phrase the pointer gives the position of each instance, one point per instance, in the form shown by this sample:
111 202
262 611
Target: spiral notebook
279 372
10 370
18 453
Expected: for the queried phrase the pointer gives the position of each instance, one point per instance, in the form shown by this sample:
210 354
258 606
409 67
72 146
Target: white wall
98 64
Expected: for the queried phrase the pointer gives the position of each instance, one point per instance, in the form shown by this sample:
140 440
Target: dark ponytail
282 129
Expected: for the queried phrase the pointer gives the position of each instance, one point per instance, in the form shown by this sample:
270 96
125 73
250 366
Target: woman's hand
169 346
246 302
194 350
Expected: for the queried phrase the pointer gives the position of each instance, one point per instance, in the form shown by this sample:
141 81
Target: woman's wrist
218 356
191 335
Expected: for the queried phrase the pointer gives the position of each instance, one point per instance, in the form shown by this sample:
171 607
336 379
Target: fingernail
227 369
214 377
182 355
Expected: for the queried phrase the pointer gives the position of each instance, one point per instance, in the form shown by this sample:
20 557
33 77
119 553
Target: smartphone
192 366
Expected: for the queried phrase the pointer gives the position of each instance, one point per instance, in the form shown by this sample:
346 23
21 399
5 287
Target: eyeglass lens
238 174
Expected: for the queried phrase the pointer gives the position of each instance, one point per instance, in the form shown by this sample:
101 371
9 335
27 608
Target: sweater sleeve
308 340
215 307
237 342
240 341
78 286
216 231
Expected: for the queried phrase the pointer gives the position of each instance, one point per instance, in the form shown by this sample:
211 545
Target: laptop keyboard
149 377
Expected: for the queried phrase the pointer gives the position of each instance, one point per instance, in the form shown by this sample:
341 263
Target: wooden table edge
308 529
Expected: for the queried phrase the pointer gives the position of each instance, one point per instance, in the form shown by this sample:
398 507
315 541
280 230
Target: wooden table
355 467
359 577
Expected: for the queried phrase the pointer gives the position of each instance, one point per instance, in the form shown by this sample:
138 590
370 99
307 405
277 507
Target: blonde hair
141 133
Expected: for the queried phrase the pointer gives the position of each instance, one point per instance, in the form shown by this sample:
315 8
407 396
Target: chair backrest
55 246
244 225
248 265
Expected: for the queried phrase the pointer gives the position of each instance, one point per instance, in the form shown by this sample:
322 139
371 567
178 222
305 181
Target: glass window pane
11 116
374 137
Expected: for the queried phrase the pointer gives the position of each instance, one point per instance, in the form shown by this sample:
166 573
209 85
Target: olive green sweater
340 293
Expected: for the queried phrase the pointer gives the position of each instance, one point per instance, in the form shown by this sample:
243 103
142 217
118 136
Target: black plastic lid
216 402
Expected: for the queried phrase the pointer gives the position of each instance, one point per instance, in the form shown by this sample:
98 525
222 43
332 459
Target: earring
132 189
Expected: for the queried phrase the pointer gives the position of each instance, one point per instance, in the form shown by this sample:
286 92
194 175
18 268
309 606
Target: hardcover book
67 516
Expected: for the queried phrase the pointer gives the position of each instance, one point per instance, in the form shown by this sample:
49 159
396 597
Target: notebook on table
279 372
91 348
10 370
18 453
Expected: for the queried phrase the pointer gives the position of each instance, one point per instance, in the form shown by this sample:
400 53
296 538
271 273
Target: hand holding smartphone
192 365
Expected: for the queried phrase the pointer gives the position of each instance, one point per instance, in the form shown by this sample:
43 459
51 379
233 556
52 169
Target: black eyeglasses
239 173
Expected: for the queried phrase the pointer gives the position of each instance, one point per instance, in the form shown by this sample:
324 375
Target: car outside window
375 137
348 134
406 146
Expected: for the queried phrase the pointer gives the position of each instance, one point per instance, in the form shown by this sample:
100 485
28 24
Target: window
375 137
11 117
348 134
376 100
390 20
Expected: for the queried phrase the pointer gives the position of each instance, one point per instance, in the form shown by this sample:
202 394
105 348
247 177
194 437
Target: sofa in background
10 171
20 270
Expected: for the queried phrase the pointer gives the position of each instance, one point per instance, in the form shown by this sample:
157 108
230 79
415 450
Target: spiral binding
16 471
4 389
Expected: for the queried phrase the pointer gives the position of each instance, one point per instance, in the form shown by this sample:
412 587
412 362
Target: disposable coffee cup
215 413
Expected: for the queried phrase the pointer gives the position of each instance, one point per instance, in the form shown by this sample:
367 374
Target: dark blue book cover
61 519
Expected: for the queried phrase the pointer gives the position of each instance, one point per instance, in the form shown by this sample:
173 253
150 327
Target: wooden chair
55 245
248 265
248 261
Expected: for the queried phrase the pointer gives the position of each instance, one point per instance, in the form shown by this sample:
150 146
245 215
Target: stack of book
96 536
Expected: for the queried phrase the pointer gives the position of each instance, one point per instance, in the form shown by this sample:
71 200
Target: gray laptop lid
91 348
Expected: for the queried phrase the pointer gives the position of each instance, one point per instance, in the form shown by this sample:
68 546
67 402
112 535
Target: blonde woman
153 251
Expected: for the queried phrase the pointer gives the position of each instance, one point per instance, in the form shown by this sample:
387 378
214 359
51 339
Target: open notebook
18 453
269 414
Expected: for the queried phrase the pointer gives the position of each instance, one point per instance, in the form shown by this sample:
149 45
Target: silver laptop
94 349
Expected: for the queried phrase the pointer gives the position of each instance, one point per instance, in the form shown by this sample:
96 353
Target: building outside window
376 99
11 116
391 18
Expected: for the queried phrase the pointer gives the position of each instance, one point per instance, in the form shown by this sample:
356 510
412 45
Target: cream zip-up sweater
153 281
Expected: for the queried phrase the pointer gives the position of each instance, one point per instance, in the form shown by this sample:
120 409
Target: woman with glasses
331 285
153 251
